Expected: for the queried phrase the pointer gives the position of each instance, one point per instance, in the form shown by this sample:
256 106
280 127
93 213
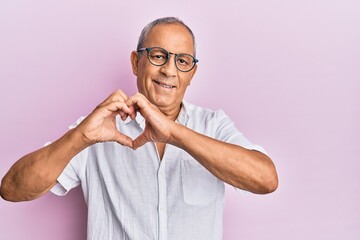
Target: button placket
162 213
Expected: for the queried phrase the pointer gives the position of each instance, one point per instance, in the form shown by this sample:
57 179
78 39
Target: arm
35 174
246 169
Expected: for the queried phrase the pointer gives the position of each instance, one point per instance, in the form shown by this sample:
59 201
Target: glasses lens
158 56
184 62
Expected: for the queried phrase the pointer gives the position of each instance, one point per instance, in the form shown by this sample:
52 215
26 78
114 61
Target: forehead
173 37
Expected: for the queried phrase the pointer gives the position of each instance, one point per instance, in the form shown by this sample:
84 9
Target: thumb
139 141
123 139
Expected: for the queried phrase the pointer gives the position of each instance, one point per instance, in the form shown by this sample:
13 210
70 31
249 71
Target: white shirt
133 195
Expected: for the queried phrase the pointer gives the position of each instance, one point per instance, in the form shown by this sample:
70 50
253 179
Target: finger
123 115
117 107
133 111
138 101
127 111
117 96
111 109
132 108
120 96
139 141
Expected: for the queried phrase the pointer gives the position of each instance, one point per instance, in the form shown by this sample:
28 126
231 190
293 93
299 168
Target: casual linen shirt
135 195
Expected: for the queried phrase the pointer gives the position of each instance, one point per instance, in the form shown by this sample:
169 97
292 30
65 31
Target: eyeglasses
159 56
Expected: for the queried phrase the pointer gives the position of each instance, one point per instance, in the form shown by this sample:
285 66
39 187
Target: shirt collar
182 118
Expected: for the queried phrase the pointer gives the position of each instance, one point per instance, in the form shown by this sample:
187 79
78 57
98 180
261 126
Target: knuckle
98 106
119 91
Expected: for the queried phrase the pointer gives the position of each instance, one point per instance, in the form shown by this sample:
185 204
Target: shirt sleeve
227 132
70 177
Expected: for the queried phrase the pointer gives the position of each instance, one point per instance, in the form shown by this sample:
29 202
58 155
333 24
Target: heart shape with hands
100 125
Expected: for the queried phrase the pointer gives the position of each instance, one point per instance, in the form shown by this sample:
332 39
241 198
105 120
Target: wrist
177 132
78 139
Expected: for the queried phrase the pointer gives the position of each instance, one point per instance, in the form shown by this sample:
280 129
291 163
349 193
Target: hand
100 125
158 126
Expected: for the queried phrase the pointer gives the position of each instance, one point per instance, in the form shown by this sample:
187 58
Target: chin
161 102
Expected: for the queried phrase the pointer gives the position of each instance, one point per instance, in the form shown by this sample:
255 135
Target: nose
169 68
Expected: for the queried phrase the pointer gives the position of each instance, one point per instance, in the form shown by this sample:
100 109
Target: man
167 183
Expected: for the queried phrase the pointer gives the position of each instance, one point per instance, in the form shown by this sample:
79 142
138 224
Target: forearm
34 174
245 169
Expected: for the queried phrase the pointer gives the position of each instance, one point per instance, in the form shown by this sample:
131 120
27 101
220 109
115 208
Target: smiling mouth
163 85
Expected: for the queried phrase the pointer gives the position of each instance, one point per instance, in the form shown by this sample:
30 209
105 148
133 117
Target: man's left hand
158 126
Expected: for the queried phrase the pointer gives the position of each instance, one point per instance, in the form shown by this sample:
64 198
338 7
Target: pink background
287 72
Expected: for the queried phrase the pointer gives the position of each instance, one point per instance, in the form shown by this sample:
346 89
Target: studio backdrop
287 73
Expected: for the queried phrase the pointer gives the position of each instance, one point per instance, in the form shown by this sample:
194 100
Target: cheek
144 76
185 81
147 69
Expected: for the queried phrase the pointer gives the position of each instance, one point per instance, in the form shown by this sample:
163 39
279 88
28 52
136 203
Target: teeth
164 85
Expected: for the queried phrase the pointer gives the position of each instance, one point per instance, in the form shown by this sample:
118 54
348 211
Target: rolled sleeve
68 180
71 175
227 132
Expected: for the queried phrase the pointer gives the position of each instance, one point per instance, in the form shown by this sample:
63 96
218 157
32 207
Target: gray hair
166 20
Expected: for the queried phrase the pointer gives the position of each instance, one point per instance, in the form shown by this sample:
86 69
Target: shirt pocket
199 186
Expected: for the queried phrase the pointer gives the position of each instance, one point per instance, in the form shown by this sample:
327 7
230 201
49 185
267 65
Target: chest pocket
200 187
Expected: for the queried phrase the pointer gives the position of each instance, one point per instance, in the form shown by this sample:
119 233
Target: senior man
151 166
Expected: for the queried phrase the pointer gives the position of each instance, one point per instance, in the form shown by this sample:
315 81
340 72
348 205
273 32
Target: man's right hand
100 125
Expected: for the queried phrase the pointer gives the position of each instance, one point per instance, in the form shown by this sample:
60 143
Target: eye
157 52
183 60
159 56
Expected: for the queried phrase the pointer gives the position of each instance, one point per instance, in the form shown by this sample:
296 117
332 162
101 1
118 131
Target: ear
193 73
134 58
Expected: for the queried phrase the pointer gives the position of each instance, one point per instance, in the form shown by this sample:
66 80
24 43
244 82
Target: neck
171 113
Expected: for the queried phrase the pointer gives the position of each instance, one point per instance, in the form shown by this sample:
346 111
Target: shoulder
195 112
206 121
